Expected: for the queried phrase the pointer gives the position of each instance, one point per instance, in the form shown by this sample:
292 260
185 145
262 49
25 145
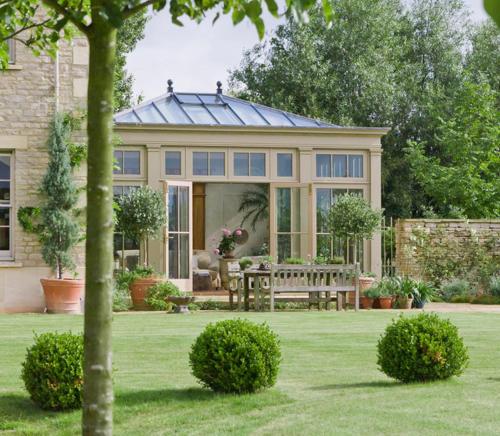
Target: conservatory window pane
131 162
302 122
274 118
148 114
355 165
172 111
199 114
247 113
188 98
323 165
129 117
224 115
285 164
257 164
4 167
209 99
336 193
284 247
283 212
323 204
241 164
200 163
118 162
173 163
340 165
217 164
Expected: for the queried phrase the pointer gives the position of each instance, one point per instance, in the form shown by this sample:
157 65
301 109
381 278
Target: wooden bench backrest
311 278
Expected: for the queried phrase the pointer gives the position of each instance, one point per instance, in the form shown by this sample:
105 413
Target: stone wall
457 230
29 92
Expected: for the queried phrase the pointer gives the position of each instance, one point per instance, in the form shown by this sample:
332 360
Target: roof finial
219 87
170 88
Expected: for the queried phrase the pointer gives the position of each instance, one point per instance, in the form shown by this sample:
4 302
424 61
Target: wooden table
256 274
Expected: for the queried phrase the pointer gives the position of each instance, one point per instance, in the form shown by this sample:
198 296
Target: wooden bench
334 281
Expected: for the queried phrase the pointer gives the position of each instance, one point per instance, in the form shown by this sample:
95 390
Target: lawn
328 383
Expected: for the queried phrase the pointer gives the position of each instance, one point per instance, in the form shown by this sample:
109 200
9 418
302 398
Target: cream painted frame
142 164
274 165
184 284
260 179
8 255
198 178
163 154
350 180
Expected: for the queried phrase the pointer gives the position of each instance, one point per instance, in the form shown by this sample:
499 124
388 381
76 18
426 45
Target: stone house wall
30 89
485 230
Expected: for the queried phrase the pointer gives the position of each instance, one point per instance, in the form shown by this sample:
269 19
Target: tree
351 217
126 40
141 215
255 204
463 177
99 20
384 62
59 230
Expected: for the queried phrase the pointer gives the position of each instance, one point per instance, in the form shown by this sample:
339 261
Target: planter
385 302
63 295
419 304
181 302
366 302
405 302
365 283
139 290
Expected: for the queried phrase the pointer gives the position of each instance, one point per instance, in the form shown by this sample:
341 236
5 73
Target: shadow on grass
360 385
130 398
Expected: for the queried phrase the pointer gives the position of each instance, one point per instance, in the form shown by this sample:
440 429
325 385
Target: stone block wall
458 230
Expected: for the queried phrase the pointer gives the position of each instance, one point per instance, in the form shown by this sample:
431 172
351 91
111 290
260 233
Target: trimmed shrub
236 356
53 371
421 348
456 288
157 294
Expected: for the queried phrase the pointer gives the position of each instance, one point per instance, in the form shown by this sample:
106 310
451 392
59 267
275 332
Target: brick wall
27 105
485 230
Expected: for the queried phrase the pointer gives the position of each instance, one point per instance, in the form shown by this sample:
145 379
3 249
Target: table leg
246 290
328 300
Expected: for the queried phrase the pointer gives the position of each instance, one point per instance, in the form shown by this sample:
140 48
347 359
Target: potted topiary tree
59 230
140 215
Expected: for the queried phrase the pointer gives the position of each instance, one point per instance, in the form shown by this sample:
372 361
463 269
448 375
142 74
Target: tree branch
54 5
128 12
22 29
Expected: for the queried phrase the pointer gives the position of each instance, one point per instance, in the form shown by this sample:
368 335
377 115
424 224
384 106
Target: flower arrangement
228 242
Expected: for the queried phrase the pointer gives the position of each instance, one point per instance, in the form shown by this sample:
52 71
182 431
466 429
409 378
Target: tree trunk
98 388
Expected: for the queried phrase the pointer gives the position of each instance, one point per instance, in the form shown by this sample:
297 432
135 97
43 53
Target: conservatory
223 162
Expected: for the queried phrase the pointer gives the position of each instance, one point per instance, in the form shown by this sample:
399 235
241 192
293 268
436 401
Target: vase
63 295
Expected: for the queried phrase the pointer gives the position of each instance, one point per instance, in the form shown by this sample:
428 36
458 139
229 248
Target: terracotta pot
405 302
366 302
365 283
139 290
385 302
63 295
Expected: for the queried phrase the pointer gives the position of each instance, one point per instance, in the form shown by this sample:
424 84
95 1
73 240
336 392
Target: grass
329 382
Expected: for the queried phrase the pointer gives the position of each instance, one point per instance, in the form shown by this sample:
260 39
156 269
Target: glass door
290 222
178 237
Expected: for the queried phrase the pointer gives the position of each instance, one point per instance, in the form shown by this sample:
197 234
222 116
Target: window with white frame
250 164
211 163
285 164
339 165
173 163
12 51
5 205
127 162
328 245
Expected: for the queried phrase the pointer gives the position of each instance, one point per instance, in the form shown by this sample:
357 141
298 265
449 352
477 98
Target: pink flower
226 232
216 251
237 232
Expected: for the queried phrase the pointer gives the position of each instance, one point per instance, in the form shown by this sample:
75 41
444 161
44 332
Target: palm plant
255 204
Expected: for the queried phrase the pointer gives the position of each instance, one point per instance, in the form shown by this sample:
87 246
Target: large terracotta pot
385 302
139 290
365 283
366 302
63 295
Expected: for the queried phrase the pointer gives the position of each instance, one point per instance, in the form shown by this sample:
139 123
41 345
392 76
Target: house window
125 250
127 162
250 164
328 245
5 205
339 165
12 51
173 163
285 161
208 163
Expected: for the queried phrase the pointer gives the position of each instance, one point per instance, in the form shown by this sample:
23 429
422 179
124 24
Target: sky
196 56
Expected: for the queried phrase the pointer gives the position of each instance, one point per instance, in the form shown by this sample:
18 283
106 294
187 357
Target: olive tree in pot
59 230
351 217
140 216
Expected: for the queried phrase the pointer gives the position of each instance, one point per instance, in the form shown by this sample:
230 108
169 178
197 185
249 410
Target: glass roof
211 109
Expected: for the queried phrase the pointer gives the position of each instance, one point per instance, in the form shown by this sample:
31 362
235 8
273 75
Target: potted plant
405 291
140 216
368 298
422 293
265 263
59 230
366 281
245 263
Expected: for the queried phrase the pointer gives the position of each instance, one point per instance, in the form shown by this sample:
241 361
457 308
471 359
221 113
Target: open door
179 233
